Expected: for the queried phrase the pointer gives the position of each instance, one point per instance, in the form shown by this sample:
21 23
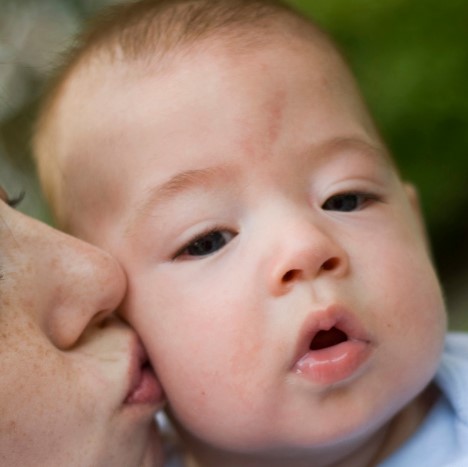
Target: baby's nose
305 251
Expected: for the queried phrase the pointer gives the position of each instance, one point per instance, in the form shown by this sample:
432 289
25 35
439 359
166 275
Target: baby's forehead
112 89
95 70
97 84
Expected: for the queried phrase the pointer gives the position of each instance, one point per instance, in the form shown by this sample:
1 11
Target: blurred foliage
410 57
32 33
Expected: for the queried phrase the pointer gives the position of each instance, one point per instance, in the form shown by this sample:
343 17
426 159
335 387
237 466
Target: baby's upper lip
343 325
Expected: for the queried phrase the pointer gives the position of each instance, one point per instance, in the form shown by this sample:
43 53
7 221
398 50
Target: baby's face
278 272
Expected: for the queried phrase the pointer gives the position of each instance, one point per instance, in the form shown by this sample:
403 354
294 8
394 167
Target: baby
278 270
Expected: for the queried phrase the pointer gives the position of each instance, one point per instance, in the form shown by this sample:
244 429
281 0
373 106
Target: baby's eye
207 244
348 202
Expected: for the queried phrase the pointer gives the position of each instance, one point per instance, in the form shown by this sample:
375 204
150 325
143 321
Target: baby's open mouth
325 339
332 347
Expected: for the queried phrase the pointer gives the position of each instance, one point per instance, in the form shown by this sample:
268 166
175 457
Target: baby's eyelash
201 236
350 201
365 195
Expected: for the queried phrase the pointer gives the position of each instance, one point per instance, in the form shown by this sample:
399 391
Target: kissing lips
332 347
144 386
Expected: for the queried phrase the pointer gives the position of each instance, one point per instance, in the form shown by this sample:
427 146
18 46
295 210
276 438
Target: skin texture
65 361
259 146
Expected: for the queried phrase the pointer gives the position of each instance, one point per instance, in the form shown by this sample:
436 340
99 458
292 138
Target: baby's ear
413 198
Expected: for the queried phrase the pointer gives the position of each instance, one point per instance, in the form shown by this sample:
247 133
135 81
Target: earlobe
413 197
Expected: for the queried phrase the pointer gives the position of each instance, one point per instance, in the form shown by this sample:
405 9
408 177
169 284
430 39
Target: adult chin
154 453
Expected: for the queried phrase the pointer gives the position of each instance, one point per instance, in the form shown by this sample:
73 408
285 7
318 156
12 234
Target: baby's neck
367 454
405 424
360 457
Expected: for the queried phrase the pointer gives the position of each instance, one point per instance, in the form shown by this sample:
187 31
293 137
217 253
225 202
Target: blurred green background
410 57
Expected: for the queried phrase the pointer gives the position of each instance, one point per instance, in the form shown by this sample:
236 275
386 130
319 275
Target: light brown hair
153 30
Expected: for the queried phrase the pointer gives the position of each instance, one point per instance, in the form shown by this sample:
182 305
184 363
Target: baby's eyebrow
188 180
177 185
377 152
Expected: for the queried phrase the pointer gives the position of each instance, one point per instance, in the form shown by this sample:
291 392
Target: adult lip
332 346
144 387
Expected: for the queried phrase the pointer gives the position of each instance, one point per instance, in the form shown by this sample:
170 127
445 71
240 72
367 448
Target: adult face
74 387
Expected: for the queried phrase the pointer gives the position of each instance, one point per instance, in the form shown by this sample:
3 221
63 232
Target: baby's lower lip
333 364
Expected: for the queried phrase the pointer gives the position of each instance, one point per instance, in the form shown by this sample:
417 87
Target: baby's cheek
419 321
206 379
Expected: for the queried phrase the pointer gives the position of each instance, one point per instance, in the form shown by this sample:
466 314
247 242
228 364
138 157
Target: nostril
291 275
330 264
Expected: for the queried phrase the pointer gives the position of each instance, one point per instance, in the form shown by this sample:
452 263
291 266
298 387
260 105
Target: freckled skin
64 360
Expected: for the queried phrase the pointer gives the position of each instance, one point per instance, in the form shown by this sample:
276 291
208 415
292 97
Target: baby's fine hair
149 29
152 31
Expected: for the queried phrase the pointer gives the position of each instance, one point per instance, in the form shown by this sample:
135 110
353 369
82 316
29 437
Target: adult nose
305 251
84 285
